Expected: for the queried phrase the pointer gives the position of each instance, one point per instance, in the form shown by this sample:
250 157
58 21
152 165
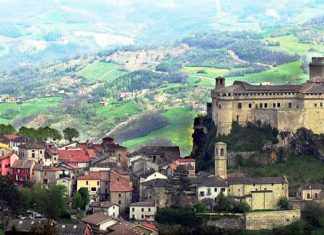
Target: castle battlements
285 107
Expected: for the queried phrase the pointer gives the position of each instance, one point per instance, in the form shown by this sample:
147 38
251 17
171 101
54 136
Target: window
119 202
265 105
222 153
239 105
41 152
87 183
142 209
315 105
321 104
149 209
133 209
93 189
315 195
261 106
33 155
119 195
202 194
290 105
250 105
223 189
142 216
278 105
98 182
308 196
208 191
215 189
274 105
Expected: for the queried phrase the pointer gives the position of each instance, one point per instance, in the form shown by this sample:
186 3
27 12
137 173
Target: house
156 190
76 157
188 163
32 151
160 154
68 176
99 222
123 227
51 159
108 185
142 211
106 207
6 161
15 141
21 170
310 192
115 152
209 188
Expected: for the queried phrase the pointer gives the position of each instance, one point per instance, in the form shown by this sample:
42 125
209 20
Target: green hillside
101 71
178 131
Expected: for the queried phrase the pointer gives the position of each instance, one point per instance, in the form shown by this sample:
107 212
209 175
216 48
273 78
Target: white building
210 188
142 211
153 176
106 207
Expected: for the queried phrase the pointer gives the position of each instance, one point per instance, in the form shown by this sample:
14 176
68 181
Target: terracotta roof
150 226
73 156
119 186
122 227
96 218
105 204
102 175
5 156
23 164
11 136
143 203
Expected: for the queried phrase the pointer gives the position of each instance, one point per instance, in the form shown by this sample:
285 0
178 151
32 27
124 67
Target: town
63 186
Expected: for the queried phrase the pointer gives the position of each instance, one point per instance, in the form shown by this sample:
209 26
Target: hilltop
154 91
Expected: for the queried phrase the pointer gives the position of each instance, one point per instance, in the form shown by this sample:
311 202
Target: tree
56 201
283 203
183 216
84 193
241 207
9 193
26 196
201 208
7 129
223 204
70 133
77 201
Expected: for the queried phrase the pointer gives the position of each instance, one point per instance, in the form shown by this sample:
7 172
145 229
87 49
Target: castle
285 107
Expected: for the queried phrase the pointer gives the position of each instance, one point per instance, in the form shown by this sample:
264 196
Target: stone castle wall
270 219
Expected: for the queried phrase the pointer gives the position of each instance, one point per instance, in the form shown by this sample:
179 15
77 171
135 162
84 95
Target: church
285 107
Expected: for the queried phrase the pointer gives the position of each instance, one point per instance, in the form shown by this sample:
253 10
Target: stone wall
270 219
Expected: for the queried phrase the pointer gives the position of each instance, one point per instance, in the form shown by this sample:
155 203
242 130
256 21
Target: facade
105 207
310 192
92 182
210 188
285 107
261 193
6 161
21 170
142 211
156 190
32 151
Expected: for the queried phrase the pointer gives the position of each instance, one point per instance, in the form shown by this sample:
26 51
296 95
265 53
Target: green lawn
33 106
291 45
178 131
100 71
290 72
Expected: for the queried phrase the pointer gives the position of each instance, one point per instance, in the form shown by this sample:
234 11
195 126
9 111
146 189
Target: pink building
21 170
6 161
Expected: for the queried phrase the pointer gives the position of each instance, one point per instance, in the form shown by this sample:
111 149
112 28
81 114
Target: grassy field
291 72
100 71
118 110
178 131
203 75
27 108
291 45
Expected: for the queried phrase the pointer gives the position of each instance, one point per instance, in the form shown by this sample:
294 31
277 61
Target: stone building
310 192
285 107
32 151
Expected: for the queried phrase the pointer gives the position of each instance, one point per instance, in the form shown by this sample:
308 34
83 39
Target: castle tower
316 69
221 160
220 83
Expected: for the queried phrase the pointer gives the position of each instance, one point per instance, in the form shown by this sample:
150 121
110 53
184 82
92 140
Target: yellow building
92 182
310 192
261 193
285 107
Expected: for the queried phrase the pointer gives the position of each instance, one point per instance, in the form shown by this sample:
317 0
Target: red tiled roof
102 175
119 186
72 156
5 156
91 153
150 226
185 160
11 137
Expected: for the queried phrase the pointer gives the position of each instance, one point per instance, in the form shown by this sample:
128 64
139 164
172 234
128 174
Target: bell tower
316 69
221 160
